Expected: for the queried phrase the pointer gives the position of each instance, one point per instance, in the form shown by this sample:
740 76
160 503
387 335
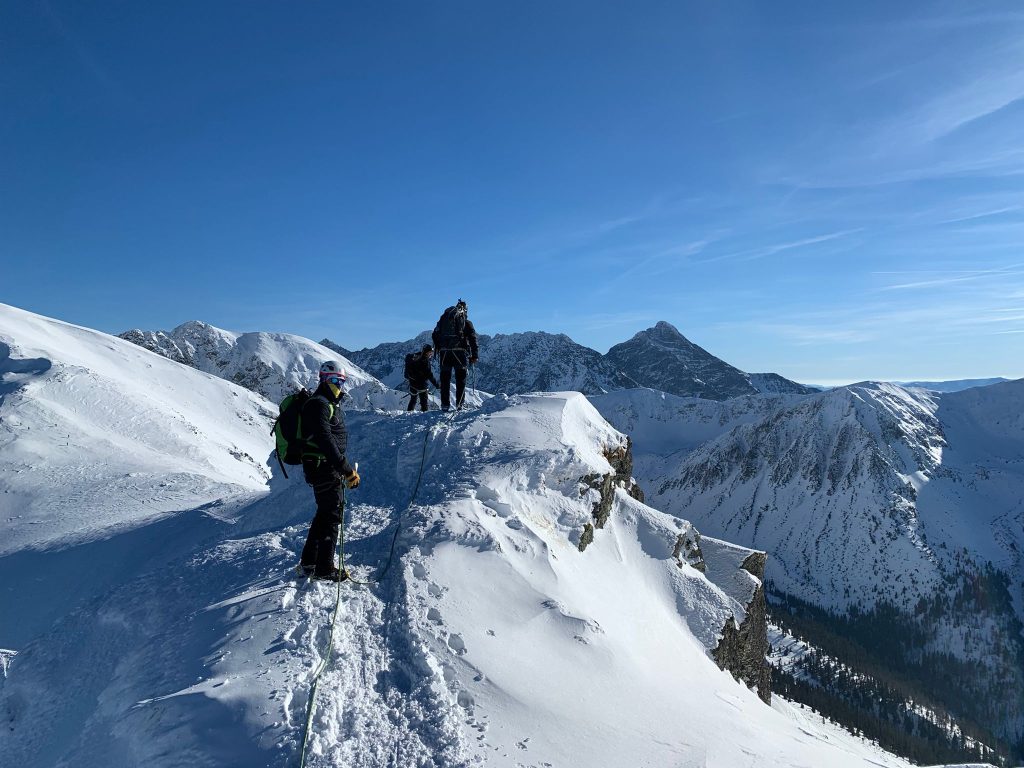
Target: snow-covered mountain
513 364
659 358
878 506
951 386
662 358
159 623
272 364
387 361
774 384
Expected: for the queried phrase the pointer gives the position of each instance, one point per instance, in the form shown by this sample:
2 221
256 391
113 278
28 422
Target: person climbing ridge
455 341
417 374
325 467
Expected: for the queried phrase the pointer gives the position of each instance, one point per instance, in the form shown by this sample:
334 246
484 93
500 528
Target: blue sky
832 193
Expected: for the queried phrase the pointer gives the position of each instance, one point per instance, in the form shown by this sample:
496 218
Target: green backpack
287 430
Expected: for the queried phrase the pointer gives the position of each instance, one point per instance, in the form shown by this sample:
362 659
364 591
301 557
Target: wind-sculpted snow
492 640
271 364
96 433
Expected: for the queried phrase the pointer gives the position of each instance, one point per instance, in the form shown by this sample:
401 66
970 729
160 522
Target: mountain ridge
200 642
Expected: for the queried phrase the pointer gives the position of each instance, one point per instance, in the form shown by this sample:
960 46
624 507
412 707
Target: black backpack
409 360
287 430
451 328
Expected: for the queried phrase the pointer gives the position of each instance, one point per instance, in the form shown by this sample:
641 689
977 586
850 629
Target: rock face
687 549
621 460
773 384
662 358
744 648
160 343
335 348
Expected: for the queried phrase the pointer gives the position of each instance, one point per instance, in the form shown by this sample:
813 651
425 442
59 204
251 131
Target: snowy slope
86 417
492 640
868 497
272 364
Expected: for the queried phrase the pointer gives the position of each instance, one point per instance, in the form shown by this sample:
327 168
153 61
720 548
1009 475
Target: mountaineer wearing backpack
326 468
418 373
455 341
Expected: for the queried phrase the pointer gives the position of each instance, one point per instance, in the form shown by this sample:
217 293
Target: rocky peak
662 358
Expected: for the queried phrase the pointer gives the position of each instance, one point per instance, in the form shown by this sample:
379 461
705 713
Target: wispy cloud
951 277
983 214
772 250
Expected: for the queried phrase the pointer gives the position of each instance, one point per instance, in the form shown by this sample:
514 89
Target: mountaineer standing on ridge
417 374
455 341
326 468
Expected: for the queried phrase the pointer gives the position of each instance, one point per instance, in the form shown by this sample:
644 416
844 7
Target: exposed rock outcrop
687 550
744 648
621 459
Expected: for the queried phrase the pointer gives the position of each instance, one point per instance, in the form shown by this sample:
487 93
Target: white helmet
331 371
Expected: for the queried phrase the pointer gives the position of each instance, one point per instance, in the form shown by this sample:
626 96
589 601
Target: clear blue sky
831 191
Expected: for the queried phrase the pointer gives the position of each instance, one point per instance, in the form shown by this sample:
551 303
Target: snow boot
334 574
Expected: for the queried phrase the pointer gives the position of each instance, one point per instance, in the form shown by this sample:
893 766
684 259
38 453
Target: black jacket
323 425
418 372
467 342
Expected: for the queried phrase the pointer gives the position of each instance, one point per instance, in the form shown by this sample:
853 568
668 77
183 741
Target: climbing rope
326 659
326 656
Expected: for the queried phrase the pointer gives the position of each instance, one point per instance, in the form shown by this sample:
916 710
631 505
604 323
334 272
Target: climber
455 341
417 374
325 466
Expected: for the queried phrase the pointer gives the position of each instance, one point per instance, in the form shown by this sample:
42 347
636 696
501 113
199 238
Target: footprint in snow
457 644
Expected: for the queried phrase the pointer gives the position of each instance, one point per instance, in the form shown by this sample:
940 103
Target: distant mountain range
660 358
956 385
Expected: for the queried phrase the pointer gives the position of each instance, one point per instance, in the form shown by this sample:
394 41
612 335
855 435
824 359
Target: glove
474 360
352 479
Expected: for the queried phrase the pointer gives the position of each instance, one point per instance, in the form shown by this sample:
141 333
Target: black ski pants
457 360
417 389
323 531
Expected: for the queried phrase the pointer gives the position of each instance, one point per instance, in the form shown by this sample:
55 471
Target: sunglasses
337 379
